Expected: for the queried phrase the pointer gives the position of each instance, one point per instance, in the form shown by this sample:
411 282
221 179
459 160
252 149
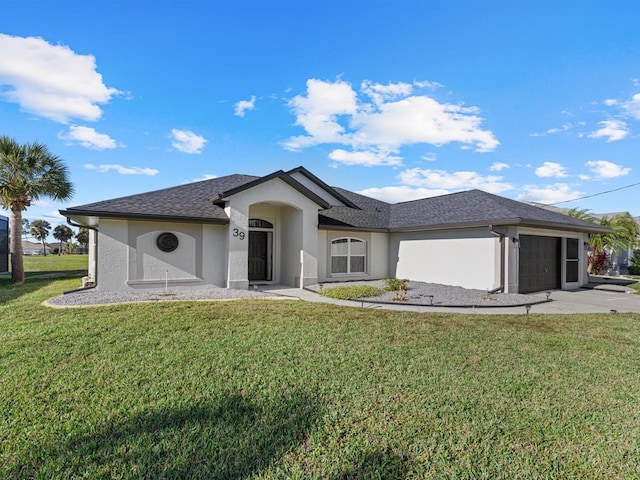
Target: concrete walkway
561 301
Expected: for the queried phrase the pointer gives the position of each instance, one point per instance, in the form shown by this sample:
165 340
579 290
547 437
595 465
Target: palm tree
25 228
63 234
83 238
40 231
27 173
625 232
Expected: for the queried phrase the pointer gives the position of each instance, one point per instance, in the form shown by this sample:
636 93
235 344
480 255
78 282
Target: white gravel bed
95 297
421 293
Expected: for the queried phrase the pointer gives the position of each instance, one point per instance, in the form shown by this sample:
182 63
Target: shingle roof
480 208
191 201
370 214
195 202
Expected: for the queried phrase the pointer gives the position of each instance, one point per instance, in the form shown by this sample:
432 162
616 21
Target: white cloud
364 158
383 93
427 84
87 137
612 130
551 169
439 179
632 106
187 142
122 170
498 166
564 128
557 192
318 113
401 193
51 81
330 112
54 215
206 176
610 102
430 157
243 105
606 169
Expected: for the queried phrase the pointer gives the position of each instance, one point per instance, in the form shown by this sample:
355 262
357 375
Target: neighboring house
291 228
619 260
4 244
34 248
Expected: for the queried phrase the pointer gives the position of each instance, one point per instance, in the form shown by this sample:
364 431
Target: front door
259 256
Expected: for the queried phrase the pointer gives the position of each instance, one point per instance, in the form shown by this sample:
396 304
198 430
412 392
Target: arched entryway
260 254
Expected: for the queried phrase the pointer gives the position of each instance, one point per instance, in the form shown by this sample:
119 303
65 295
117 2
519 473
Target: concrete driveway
562 301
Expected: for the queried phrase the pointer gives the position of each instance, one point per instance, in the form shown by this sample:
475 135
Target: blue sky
536 101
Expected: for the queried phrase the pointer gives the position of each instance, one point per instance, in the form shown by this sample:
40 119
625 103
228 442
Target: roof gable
223 196
331 195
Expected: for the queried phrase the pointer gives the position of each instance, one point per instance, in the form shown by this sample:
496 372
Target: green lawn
285 389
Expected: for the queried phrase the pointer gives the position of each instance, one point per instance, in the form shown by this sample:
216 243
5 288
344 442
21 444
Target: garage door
539 263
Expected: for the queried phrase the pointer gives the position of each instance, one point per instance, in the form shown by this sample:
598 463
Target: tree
63 234
25 228
40 231
27 173
625 232
83 237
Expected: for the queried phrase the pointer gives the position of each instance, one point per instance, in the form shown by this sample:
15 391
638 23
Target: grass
263 389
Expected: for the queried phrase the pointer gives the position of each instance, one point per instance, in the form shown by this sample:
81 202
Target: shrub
351 292
597 262
396 284
634 268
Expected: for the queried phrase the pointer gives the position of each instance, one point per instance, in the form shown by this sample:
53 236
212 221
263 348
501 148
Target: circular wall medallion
167 242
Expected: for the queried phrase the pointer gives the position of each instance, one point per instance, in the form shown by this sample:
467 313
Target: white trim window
348 255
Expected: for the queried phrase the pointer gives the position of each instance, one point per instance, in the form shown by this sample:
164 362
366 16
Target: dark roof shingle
196 202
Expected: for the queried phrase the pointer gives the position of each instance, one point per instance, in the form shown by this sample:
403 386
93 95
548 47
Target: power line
595 194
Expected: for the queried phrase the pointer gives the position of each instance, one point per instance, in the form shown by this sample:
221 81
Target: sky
531 100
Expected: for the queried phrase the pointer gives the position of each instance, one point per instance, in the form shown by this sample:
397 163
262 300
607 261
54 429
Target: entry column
237 242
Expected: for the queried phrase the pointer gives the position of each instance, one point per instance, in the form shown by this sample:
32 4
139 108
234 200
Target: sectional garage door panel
540 266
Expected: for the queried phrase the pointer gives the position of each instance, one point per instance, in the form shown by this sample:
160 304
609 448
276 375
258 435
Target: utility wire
595 194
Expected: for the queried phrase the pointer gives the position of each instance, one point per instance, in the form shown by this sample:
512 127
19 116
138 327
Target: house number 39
238 233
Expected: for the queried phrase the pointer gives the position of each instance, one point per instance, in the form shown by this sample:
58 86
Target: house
619 260
292 228
34 248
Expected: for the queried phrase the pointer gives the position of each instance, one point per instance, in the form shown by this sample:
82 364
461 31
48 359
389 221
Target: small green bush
351 293
396 284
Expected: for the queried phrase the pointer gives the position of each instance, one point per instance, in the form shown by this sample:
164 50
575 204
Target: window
348 255
259 223
167 242
572 273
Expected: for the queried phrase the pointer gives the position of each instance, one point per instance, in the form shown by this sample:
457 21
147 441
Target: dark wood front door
539 265
258 256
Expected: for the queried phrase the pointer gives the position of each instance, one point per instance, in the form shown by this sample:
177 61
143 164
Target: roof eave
523 222
143 216
351 228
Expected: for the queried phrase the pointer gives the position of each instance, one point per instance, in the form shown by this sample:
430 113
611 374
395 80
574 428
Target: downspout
502 262
95 281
